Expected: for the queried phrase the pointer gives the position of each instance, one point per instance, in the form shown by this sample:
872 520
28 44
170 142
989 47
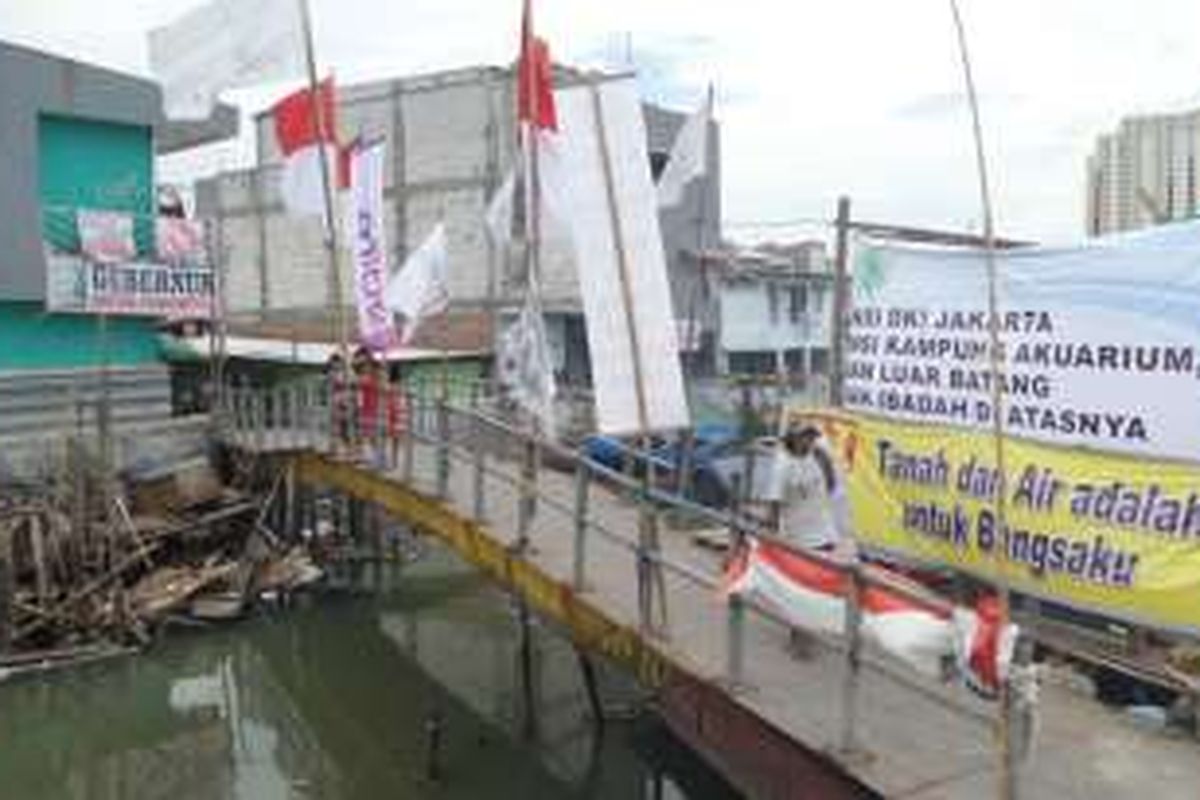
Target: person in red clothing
367 373
339 404
397 415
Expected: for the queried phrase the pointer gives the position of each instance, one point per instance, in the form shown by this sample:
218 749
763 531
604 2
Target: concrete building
775 307
451 138
1144 173
76 137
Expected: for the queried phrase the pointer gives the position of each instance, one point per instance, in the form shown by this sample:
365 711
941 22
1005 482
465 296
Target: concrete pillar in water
6 587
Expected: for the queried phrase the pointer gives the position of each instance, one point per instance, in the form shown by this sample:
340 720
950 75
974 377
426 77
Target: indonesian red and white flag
106 236
305 123
535 79
928 637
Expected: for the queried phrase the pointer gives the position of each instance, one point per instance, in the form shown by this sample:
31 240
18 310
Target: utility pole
841 303
325 135
1007 788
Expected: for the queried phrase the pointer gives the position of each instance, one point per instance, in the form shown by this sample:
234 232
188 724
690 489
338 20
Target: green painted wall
88 164
32 339
424 378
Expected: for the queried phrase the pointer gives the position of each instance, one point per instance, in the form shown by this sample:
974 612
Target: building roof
65 85
463 332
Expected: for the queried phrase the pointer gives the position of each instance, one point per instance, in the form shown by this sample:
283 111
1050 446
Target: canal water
403 685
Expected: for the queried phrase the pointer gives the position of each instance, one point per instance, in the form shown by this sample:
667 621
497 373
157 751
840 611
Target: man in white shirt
803 491
802 487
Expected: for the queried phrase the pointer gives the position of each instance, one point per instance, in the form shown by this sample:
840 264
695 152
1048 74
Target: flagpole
1008 785
331 237
689 444
533 244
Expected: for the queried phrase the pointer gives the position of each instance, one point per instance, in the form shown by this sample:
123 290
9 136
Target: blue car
713 443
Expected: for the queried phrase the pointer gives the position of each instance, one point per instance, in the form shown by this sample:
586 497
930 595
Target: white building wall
451 139
750 322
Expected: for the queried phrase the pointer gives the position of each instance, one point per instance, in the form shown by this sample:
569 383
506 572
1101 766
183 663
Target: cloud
815 99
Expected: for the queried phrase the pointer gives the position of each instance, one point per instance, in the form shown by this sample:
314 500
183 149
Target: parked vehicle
719 462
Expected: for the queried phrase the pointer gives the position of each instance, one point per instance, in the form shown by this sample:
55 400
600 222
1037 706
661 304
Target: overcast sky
862 97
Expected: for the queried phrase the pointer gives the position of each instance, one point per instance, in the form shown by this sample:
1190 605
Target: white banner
225 44
1099 341
606 247
77 285
369 246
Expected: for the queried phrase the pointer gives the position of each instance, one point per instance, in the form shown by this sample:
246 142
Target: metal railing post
410 436
735 641
527 496
258 413
443 452
477 446
582 479
851 679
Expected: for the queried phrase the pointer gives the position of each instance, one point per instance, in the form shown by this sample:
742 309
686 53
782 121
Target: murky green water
338 699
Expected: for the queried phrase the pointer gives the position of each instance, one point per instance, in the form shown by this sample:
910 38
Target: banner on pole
370 247
576 170
79 285
1101 410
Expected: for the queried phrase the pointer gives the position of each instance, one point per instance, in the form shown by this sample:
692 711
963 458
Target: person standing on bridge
802 489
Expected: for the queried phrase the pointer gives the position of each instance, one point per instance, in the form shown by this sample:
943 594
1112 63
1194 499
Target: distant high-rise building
1144 173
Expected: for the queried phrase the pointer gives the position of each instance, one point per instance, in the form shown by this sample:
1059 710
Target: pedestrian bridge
619 566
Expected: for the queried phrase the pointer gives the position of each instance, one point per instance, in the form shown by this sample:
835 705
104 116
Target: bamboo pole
1007 788
331 236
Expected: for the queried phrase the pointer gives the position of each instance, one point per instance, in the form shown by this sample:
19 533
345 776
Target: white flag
225 44
555 204
106 236
525 368
419 289
689 156
499 216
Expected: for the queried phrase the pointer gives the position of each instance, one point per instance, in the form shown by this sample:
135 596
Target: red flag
535 78
296 123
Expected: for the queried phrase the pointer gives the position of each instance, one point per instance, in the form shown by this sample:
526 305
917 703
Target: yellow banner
1113 534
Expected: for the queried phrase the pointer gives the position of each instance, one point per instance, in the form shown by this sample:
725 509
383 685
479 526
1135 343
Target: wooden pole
7 588
324 136
689 442
841 304
1007 788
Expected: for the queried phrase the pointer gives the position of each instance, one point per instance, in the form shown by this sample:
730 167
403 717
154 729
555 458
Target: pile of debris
90 570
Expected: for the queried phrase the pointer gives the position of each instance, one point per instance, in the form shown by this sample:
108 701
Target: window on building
1191 186
658 162
752 363
773 302
797 300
